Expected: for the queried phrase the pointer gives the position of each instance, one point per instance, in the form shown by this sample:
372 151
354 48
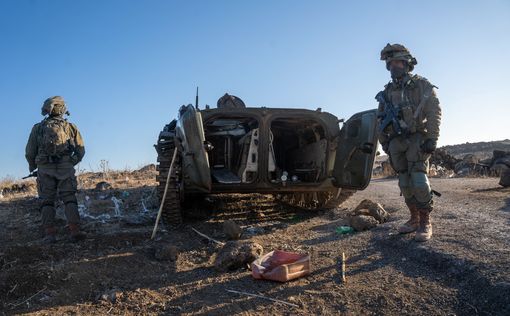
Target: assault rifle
388 116
31 175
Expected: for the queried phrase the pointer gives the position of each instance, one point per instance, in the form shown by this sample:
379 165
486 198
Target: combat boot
412 224
76 234
50 233
424 232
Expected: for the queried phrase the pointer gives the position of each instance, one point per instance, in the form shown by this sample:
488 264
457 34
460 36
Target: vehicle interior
233 156
299 146
297 150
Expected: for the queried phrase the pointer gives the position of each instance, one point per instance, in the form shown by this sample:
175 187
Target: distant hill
481 149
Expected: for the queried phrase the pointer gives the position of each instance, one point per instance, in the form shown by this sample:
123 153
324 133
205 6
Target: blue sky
124 67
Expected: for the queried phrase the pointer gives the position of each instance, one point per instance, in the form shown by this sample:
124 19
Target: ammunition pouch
406 114
54 159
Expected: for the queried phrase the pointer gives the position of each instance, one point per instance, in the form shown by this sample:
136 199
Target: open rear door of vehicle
195 163
357 146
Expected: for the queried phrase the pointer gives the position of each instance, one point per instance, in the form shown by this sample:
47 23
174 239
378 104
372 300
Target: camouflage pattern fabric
38 157
420 114
50 187
54 147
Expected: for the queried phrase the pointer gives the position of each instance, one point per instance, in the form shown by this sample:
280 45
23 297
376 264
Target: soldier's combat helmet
54 106
398 52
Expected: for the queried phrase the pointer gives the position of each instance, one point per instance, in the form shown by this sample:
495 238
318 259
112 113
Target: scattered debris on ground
505 178
362 222
445 165
166 252
232 230
471 164
237 254
370 208
281 266
118 270
367 215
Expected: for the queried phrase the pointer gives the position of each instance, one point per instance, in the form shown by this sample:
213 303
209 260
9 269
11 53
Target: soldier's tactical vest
407 101
406 109
55 140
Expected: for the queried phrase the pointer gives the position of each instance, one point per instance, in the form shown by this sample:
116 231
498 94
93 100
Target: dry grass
11 187
7 181
122 179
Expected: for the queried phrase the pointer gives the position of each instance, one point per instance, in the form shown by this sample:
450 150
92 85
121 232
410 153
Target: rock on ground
236 254
370 208
505 178
363 222
103 186
166 252
232 230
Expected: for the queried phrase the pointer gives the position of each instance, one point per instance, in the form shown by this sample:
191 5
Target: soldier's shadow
417 261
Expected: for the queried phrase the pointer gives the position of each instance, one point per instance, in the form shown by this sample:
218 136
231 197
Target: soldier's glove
429 145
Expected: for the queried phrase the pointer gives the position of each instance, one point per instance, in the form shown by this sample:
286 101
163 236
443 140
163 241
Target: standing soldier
54 147
410 116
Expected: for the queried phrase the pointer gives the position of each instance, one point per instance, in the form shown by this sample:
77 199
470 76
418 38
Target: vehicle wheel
196 207
333 199
165 147
322 200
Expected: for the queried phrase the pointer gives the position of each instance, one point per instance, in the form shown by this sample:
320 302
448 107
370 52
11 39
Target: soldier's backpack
56 139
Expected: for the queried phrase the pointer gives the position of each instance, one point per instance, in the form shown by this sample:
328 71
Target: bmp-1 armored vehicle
308 158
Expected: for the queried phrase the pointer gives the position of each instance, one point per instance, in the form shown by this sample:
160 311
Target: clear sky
124 67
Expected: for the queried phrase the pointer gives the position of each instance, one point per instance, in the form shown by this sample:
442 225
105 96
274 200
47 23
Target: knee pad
405 185
421 188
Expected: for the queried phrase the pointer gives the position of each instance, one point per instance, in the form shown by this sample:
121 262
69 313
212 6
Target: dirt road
464 270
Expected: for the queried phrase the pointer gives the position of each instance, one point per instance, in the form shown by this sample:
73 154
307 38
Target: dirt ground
464 270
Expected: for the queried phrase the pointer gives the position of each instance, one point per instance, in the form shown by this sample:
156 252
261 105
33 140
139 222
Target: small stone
167 252
110 296
505 178
365 204
236 254
370 208
254 230
363 222
103 186
232 230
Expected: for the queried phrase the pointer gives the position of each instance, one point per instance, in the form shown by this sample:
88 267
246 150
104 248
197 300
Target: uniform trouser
412 165
49 188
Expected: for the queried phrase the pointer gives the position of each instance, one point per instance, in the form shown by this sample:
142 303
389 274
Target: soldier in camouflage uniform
54 147
419 115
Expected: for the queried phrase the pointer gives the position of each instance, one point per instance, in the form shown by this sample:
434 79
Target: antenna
196 100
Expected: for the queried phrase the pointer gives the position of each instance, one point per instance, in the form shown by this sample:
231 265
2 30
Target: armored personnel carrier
308 158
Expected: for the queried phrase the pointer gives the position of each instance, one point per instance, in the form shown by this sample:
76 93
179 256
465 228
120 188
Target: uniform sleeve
383 137
32 149
79 146
432 113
